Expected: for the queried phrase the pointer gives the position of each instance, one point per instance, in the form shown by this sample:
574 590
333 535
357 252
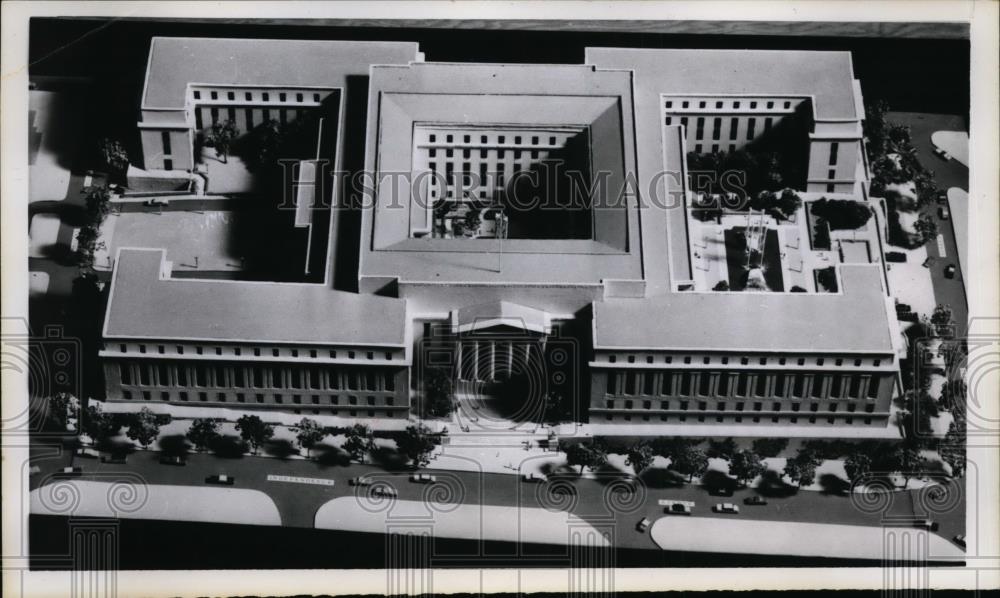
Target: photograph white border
982 16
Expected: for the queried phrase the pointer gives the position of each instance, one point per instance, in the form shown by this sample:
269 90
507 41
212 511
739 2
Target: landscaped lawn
736 259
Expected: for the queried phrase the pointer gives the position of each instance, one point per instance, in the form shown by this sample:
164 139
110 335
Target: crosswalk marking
940 246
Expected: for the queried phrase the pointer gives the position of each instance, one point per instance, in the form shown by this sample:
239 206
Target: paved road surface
947 174
298 502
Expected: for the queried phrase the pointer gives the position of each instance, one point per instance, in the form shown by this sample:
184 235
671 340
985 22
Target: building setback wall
167 147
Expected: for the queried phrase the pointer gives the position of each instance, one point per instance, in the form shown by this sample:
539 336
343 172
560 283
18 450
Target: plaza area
195 241
793 251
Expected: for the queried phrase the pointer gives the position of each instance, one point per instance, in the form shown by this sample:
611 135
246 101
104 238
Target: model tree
857 465
203 433
360 441
143 427
640 457
417 443
88 243
439 391
926 228
842 214
308 433
745 466
722 449
769 447
788 202
99 425
942 319
115 158
254 431
687 459
722 285
801 469
221 136
585 455
952 449
908 462
58 410
97 202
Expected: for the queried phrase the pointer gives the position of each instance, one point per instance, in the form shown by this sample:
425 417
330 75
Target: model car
726 507
677 508
643 525
172 460
70 471
535 478
385 491
88 452
221 478
423 478
895 256
942 154
944 213
115 459
949 271
359 481
960 540
754 501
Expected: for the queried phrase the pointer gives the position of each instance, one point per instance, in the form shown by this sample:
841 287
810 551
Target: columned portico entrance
499 351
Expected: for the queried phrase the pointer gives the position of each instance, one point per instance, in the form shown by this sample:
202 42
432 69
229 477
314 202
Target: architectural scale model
522 221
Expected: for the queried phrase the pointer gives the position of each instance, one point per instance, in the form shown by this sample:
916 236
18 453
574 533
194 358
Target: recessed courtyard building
526 231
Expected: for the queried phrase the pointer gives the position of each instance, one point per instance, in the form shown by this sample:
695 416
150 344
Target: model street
947 174
298 500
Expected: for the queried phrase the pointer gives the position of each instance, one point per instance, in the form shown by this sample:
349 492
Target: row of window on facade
725 360
741 384
279 114
497 139
738 419
262 399
250 96
256 352
685 405
729 105
233 376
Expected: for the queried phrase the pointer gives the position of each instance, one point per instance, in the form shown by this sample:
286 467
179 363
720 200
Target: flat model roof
147 303
856 320
174 62
509 95
826 76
